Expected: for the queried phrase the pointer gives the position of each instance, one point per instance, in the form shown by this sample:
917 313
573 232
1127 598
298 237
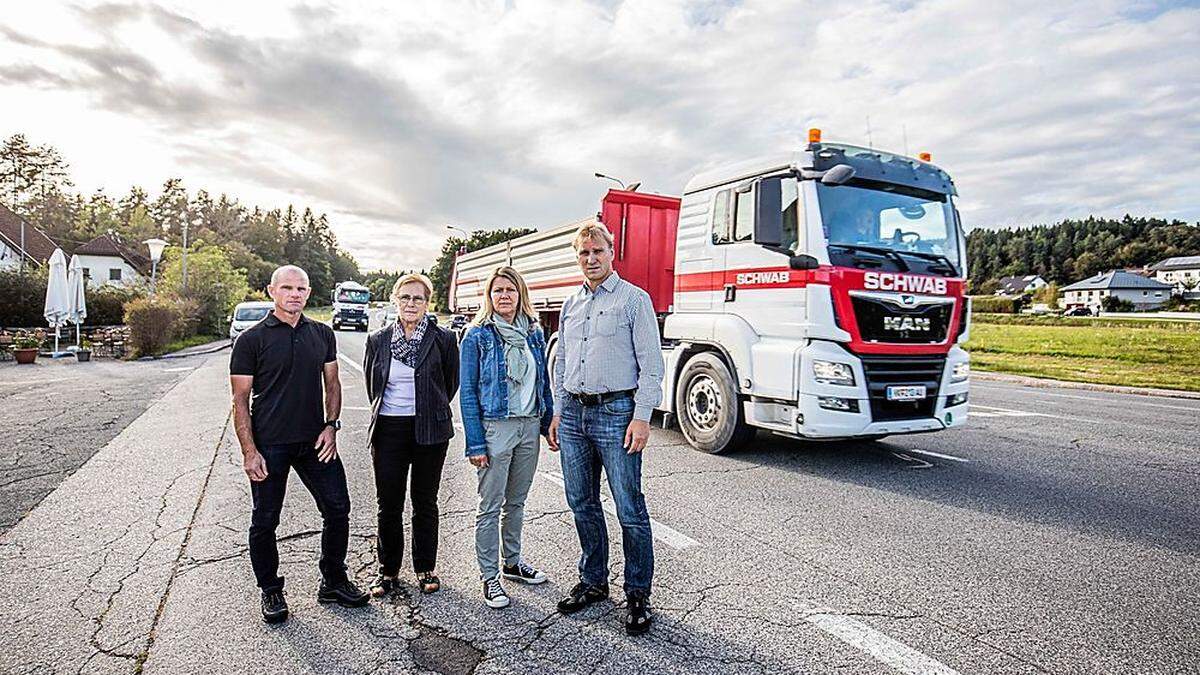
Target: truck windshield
361 297
872 224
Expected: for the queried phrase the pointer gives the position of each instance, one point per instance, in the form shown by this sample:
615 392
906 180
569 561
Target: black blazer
436 380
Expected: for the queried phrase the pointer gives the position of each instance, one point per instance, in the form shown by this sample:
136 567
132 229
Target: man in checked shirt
607 380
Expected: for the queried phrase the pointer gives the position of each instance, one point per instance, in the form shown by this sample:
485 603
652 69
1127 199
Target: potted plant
25 348
84 353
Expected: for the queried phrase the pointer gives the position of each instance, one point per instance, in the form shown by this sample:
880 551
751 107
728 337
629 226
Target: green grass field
319 313
1155 354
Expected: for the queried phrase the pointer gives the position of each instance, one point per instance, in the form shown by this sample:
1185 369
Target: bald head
289 289
286 270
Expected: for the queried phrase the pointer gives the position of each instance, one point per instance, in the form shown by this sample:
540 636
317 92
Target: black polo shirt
288 402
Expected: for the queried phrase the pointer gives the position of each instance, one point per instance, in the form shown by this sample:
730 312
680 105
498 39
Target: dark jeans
394 450
590 438
326 481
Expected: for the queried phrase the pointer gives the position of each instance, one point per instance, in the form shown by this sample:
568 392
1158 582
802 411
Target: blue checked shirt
608 341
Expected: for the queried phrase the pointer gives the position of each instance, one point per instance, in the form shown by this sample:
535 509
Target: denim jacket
483 392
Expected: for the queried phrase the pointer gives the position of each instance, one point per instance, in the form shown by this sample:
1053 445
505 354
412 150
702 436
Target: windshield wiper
879 250
936 257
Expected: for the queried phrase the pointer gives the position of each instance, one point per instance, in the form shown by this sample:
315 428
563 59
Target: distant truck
815 294
350 302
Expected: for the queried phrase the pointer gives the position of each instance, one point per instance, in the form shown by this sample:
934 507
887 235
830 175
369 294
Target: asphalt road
1059 531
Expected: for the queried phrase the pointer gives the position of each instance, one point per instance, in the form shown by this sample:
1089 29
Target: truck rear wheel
707 406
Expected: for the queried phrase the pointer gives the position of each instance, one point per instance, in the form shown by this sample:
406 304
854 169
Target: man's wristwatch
336 424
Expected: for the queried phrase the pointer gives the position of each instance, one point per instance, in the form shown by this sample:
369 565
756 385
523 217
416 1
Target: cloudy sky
398 118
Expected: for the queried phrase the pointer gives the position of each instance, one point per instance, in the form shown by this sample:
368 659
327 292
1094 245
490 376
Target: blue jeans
591 438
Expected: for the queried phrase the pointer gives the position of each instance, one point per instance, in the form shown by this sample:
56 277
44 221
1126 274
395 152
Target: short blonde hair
524 306
411 278
595 231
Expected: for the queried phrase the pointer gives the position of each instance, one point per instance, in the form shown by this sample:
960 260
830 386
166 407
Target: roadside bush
1112 303
153 323
995 304
22 297
106 305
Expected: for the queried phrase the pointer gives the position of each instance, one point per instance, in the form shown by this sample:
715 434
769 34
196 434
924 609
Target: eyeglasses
405 299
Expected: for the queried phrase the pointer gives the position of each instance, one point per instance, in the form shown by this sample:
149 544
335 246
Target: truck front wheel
706 403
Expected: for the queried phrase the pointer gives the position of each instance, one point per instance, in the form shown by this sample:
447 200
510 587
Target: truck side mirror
768 215
838 175
803 262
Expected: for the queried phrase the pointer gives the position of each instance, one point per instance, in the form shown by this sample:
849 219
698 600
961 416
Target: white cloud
398 118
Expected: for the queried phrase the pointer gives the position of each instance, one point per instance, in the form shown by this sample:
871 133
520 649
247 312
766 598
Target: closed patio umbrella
58 301
76 287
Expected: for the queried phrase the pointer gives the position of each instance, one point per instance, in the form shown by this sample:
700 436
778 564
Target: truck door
700 262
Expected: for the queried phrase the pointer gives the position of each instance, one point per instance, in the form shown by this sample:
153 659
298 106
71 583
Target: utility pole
183 264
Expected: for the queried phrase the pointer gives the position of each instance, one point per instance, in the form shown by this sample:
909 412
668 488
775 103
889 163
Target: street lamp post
615 180
156 247
183 265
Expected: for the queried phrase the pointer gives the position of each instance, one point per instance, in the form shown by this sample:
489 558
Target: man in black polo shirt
282 362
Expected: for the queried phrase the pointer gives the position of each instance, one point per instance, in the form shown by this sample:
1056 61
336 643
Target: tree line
35 182
1072 250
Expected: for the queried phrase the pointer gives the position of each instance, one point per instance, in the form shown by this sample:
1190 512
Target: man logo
906 323
908 301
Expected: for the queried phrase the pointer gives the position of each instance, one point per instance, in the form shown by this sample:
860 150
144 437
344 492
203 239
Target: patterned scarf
405 349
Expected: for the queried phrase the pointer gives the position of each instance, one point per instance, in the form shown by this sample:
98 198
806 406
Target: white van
247 314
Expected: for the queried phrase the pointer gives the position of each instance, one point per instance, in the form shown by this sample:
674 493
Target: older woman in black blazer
411 368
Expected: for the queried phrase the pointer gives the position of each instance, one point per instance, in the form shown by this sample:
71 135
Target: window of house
114 274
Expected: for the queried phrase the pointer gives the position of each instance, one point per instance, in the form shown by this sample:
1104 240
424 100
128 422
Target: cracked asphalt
58 413
1058 532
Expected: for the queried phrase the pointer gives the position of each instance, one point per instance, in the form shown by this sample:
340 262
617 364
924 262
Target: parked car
247 314
1079 311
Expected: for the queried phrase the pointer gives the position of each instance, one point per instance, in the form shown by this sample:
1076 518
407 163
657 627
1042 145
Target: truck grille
884 371
880 321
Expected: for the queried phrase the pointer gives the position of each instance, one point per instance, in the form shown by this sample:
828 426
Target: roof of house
1187 262
1017 284
111 244
1117 279
38 247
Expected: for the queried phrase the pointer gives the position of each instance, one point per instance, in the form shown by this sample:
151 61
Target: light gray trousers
512 451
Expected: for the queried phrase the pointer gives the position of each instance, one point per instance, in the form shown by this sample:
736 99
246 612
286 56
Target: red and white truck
815 294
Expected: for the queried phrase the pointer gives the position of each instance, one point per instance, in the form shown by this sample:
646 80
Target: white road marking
913 462
355 407
886 650
349 361
664 533
1129 398
178 370
939 455
1005 412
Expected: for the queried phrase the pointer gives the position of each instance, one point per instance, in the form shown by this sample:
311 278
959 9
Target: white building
1014 286
109 261
1183 274
37 249
1144 292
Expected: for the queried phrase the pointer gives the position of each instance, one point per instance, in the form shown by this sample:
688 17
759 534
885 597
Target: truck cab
818 294
350 302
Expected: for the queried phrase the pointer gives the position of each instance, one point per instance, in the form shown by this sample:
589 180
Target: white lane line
931 453
178 370
886 650
355 407
1007 412
1129 398
664 533
349 361
976 413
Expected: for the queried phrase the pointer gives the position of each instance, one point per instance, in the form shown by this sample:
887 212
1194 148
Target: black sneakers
493 593
343 592
274 607
637 615
524 573
581 596
384 585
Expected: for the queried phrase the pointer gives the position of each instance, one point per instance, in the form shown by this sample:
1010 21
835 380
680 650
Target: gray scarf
515 342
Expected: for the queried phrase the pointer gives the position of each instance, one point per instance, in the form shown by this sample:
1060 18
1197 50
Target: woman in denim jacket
506 402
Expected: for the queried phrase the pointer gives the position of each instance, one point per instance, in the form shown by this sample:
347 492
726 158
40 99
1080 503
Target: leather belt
597 399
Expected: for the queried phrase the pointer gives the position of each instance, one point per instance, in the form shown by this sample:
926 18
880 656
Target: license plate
910 393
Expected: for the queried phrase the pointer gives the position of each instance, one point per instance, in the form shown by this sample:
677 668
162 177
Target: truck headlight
830 372
961 371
